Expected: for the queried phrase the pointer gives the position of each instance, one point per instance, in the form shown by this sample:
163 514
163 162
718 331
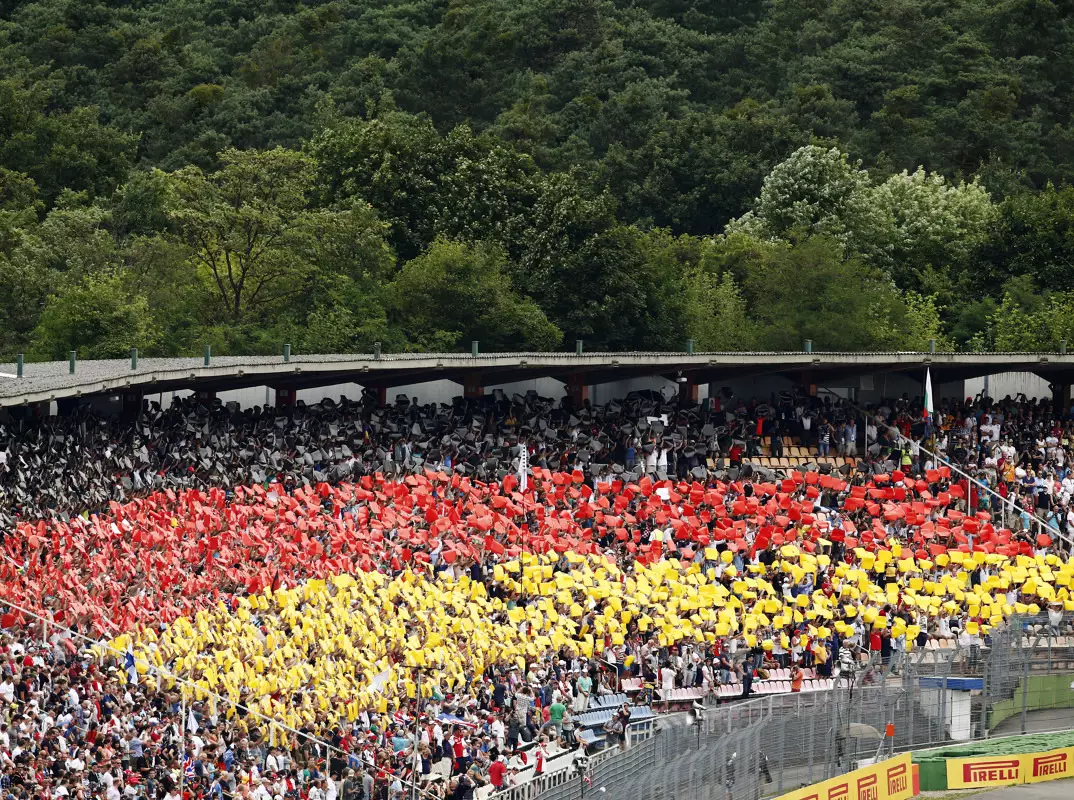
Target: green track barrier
1042 692
932 764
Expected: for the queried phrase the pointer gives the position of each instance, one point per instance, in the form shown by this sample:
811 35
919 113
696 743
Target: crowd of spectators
63 465
74 724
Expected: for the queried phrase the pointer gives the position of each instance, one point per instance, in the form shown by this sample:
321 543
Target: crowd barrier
1000 762
977 772
887 780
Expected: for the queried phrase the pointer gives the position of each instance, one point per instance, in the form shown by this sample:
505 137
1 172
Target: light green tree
716 315
937 224
456 292
1030 320
257 245
923 323
99 317
819 192
19 207
248 228
918 227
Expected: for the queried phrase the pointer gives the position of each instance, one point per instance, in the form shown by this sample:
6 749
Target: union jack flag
188 768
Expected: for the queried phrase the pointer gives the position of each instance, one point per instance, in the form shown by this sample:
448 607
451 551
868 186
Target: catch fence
1017 680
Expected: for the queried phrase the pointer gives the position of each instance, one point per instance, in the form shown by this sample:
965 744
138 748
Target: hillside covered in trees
634 173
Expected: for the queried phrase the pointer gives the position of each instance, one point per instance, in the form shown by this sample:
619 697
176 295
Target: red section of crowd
154 559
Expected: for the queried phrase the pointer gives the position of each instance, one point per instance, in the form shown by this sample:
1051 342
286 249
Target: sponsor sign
897 778
892 779
969 773
1050 766
888 780
981 771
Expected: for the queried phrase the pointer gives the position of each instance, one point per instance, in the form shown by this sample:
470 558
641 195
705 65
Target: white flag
191 722
523 468
929 410
379 681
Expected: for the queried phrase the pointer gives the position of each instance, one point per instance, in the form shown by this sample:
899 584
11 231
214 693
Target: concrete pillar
471 385
285 397
577 389
31 412
382 396
688 392
132 405
1061 399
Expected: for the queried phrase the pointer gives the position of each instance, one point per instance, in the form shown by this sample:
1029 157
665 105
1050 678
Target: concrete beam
52 380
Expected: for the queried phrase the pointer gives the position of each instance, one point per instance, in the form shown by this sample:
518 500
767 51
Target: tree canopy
633 173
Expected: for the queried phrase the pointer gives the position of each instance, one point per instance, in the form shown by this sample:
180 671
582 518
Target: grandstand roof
53 380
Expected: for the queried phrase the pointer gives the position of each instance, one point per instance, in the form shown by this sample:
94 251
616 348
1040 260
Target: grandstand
504 591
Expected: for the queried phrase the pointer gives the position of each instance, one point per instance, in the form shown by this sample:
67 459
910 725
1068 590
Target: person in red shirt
497 772
875 641
734 455
797 678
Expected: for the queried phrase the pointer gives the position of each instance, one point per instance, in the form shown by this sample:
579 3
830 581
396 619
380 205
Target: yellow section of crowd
329 649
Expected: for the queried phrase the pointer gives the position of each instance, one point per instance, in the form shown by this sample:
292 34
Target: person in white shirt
262 791
7 690
498 732
870 437
667 677
943 626
1055 618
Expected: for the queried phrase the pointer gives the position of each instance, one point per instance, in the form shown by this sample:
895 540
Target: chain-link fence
715 757
1017 680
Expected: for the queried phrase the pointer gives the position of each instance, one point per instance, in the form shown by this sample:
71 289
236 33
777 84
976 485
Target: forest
867 174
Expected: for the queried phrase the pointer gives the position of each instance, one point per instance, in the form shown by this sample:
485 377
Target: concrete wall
864 390
429 392
1009 383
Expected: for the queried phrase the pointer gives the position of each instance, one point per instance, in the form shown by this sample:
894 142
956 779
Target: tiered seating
937 643
441 771
779 682
590 725
597 719
680 698
631 685
796 455
605 701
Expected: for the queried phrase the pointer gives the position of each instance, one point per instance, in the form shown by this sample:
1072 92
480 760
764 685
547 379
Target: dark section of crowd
69 464
69 728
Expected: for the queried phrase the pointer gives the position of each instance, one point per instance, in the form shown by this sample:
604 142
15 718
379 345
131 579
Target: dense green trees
333 173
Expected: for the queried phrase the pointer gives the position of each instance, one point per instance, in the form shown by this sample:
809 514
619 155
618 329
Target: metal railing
1018 680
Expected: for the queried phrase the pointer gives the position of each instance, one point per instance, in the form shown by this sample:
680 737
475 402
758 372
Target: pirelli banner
981 771
888 780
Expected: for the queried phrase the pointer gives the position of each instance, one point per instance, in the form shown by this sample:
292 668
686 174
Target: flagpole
182 740
417 739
